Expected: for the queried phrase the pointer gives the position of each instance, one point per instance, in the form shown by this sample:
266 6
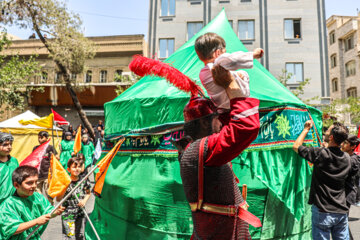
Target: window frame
349 72
168 14
346 41
102 72
238 29
293 29
187 28
332 38
294 75
167 47
88 75
335 84
333 60
350 92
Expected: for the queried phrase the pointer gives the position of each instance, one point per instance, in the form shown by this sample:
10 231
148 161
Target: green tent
143 196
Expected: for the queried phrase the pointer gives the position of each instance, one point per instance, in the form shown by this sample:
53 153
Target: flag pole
88 218
52 131
67 196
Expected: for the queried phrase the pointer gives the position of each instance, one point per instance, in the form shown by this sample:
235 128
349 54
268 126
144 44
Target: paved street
53 231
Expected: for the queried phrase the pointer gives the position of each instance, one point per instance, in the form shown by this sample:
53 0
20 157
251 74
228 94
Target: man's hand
308 124
222 77
43 219
82 203
58 211
258 53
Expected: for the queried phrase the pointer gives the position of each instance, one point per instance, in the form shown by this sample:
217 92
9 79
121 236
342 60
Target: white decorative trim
246 113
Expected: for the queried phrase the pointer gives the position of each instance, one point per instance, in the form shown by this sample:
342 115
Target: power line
108 16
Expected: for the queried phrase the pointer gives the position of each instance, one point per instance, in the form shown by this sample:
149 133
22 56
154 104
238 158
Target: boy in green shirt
7 166
26 208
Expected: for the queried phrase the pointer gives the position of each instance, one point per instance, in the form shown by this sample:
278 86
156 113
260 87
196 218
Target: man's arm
300 140
243 126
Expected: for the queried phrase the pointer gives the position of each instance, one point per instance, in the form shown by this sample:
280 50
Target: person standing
327 192
205 152
67 149
43 137
7 165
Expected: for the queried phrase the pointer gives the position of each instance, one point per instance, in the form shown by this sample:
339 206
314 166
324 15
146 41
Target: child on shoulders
211 49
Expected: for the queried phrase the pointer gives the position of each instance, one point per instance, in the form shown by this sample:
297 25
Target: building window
73 77
193 28
296 72
57 77
350 68
167 8
334 84
349 43
332 37
118 75
245 0
44 77
292 28
88 76
224 1
246 30
351 92
333 61
166 47
103 76
231 23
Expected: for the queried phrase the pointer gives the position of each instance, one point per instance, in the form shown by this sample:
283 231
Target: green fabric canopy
143 196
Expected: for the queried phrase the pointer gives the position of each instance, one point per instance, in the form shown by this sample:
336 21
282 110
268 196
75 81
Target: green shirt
6 169
16 210
67 147
88 151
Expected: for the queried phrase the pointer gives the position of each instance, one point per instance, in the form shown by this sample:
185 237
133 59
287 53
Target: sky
122 17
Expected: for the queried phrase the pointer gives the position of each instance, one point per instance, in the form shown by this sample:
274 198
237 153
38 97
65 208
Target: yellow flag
46 122
103 166
58 178
77 144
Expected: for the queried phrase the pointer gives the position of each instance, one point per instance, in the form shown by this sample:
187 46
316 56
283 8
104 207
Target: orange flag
103 166
58 178
77 145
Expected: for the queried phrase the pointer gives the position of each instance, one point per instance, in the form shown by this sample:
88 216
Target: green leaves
15 74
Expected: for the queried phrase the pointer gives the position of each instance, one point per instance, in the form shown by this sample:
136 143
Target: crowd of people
24 200
216 130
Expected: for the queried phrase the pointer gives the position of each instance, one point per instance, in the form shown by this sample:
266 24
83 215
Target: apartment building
344 55
292 33
95 86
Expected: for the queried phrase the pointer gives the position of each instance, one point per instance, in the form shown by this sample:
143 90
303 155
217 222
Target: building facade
344 55
104 74
292 33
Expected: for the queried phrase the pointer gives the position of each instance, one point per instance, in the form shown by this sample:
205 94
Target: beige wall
343 27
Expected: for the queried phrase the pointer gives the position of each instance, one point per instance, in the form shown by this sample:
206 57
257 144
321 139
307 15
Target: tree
299 90
65 41
15 73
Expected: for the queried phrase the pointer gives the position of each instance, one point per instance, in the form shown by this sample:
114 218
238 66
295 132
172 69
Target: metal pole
66 197
88 218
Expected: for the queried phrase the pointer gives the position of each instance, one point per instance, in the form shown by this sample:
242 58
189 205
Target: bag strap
201 174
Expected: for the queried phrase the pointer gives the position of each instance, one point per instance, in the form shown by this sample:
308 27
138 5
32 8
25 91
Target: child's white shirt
230 62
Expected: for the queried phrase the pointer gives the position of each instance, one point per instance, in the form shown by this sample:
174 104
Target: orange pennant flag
77 144
103 166
58 178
